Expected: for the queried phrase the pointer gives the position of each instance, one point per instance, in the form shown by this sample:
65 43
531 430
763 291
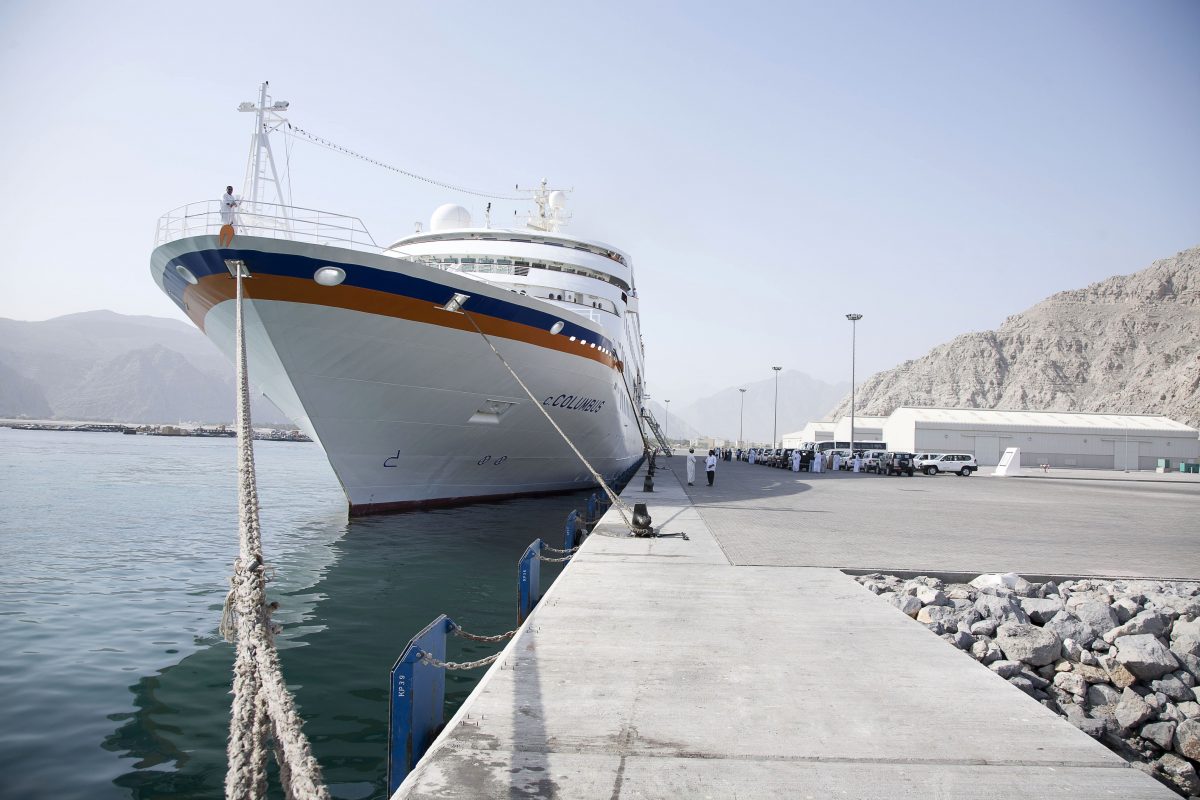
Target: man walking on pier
691 465
710 467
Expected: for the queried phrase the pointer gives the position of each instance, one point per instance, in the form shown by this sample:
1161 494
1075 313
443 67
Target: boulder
1070 682
1004 609
1172 687
1067 626
1101 694
1008 580
942 614
1191 664
931 597
1184 676
986 651
1117 674
1071 650
1189 710
1037 680
1179 772
961 639
1041 610
1186 645
1161 733
1183 627
1092 674
1143 655
1132 710
1152 622
1126 609
984 627
1187 739
906 603
1028 643
1097 616
1006 669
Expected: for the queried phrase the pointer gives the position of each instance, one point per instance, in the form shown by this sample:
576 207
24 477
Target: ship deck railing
269 220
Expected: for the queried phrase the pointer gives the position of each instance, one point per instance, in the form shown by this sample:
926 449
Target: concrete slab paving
766 516
658 668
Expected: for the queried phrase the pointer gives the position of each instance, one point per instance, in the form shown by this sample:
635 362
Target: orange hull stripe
214 289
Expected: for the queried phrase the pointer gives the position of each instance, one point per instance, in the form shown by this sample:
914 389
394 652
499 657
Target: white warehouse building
1060 439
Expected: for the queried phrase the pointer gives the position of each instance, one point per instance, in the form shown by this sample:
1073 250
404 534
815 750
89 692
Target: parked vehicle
896 463
871 460
922 460
961 464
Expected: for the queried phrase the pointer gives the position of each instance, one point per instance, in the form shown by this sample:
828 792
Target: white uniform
795 461
228 204
837 461
857 463
691 468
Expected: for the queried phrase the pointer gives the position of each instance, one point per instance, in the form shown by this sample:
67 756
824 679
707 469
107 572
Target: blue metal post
417 701
591 509
571 538
529 580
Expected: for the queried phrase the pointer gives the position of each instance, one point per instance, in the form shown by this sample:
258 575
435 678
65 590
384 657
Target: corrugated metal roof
1044 419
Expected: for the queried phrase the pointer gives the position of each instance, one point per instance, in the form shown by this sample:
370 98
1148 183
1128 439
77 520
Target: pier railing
269 220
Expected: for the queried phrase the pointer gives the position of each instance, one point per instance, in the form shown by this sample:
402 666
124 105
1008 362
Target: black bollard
641 520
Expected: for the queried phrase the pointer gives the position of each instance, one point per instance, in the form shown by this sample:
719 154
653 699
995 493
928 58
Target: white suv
961 464
922 460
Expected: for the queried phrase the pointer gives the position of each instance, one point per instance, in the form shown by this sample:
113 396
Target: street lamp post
775 428
854 318
741 416
667 429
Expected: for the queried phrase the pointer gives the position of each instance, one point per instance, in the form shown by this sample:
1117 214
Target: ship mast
261 172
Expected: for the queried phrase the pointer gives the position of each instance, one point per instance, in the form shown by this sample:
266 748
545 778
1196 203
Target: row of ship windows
620 259
516 266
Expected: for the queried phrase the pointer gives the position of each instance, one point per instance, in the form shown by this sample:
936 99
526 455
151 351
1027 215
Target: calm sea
115 553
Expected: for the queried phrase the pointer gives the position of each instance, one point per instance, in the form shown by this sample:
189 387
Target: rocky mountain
801 398
1128 344
104 366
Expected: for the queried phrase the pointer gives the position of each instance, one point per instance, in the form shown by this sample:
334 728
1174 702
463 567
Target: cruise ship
386 354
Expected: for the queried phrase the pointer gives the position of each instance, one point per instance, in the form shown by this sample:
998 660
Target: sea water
115 556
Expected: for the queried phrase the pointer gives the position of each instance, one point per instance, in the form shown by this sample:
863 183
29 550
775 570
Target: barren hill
1128 344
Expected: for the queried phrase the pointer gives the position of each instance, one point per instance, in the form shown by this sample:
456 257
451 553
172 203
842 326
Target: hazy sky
935 166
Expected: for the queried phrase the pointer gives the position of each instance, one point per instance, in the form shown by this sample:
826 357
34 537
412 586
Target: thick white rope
263 713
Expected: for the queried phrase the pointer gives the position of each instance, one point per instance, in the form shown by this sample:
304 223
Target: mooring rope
263 713
622 509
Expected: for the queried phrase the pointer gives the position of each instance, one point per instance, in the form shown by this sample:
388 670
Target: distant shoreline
267 433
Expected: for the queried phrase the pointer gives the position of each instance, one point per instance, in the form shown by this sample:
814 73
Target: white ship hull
409 403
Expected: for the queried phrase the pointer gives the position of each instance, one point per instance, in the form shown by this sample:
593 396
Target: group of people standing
710 466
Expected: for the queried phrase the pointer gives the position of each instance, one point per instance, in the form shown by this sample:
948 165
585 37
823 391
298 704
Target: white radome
449 217
558 199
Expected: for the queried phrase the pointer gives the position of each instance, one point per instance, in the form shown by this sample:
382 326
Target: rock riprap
1120 659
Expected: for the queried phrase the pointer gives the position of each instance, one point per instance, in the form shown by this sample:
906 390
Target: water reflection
363 595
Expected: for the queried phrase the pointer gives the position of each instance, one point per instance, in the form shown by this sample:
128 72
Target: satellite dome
558 199
448 217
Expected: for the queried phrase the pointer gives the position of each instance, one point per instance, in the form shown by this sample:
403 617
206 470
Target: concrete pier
744 663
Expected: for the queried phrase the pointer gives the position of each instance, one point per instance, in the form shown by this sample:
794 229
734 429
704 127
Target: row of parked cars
880 462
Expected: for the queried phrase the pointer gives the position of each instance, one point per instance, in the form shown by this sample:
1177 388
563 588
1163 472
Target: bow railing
268 220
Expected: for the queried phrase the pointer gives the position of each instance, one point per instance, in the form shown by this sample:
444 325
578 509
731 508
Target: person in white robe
229 219
857 462
796 460
691 466
837 461
752 454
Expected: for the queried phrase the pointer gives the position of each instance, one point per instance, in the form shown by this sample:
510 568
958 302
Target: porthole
186 274
329 276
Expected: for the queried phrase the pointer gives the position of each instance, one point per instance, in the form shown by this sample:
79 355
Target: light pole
854 318
667 430
775 428
741 416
